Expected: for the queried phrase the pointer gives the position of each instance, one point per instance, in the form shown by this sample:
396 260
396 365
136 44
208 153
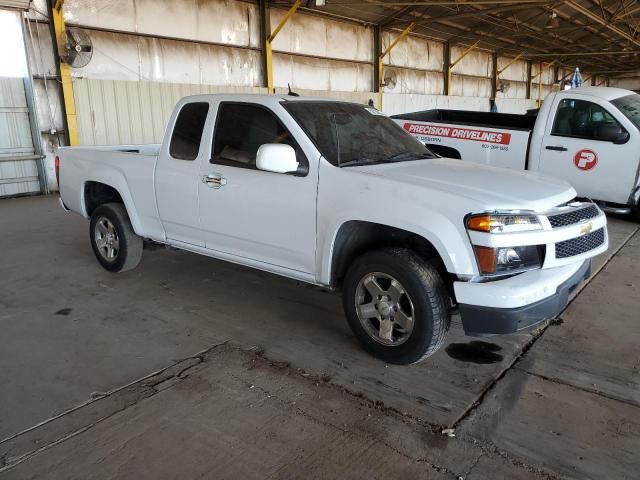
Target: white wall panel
169 61
413 81
517 71
321 74
404 103
322 37
476 62
108 14
547 73
216 21
465 86
126 57
414 52
513 89
229 66
515 105
115 57
229 22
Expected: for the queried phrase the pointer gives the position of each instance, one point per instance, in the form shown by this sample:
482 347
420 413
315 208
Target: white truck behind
337 195
588 136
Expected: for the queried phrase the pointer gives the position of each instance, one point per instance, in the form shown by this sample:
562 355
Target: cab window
187 132
241 129
579 118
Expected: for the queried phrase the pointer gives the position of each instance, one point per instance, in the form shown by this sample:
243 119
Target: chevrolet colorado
336 194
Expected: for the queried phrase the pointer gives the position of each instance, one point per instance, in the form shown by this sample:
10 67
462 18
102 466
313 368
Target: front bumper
480 320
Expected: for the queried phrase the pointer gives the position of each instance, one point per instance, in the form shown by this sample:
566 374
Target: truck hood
491 187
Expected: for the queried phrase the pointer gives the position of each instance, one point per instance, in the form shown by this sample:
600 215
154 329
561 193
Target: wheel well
96 194
357 237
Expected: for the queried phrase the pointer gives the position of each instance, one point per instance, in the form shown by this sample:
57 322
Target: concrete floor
188 367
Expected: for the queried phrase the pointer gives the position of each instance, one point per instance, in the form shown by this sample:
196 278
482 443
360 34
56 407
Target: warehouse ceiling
600 36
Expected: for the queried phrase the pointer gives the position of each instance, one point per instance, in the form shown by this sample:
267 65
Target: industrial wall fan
390 79
75 47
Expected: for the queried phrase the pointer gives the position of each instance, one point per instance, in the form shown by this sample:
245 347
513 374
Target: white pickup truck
588 136
337 195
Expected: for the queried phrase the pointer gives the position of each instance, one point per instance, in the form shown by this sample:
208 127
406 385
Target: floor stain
475 352
64 311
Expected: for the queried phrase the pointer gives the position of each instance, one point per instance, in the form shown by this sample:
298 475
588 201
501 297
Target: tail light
57 164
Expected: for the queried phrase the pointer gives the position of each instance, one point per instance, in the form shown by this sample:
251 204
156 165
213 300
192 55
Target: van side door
575 148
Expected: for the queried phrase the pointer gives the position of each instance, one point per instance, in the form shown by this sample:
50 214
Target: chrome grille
577 246
574 216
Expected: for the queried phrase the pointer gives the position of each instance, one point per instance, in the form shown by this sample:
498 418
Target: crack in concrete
148 386
527 346
579 388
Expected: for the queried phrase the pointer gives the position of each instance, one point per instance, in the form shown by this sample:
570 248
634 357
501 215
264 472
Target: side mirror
276 157
611 132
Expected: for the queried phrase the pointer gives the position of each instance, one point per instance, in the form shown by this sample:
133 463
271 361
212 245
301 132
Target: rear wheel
114 243
397 305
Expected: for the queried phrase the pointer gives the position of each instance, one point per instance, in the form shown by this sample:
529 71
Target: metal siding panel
115 57
331 38
321 74
21 4
112 14
18 176
110 113
122 106
83 109
475 63
414 52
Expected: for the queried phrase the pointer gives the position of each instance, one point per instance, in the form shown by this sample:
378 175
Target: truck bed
480 119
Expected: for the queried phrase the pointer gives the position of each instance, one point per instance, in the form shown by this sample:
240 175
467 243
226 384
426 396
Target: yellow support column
404 33
458 60
268 47
65 77
541 70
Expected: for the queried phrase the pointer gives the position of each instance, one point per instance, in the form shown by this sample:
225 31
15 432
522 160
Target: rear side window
187 132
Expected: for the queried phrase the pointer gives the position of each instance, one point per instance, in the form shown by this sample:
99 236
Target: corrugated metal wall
18 167
115 111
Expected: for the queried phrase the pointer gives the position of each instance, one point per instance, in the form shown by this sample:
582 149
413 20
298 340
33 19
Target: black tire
427 295
128 253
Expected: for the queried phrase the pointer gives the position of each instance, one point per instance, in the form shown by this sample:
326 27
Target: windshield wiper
408 156
360 161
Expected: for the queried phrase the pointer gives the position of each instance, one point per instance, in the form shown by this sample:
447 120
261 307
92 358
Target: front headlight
508 260
503 223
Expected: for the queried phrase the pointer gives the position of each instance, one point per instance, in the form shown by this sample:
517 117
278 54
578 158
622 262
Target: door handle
557 148
214 180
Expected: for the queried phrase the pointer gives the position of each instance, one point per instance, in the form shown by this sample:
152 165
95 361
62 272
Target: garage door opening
19 160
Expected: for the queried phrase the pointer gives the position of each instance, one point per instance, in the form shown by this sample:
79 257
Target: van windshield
348 134
629 105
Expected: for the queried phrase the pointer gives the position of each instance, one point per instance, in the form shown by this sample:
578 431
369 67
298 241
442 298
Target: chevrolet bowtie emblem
586 228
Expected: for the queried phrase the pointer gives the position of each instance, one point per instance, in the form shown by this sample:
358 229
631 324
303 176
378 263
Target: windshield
630 107
348 134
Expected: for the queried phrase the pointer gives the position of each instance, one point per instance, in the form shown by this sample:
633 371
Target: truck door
177 174
572 149
263 216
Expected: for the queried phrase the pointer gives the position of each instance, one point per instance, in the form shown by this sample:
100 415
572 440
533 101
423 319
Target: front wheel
114 243
397 305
